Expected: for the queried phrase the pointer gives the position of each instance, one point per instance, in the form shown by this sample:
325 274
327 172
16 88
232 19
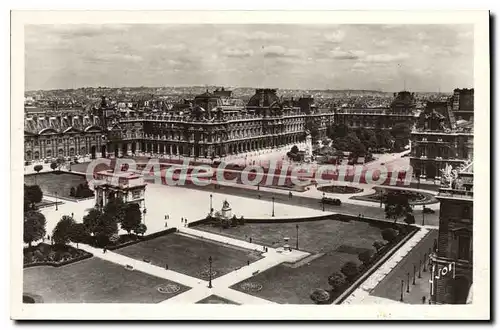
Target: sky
422 58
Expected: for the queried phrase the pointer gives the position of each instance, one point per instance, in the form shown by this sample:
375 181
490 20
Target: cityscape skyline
388 58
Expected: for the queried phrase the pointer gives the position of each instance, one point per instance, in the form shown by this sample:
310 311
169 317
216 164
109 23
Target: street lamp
210 203
323 201
402 286
56 201
297 242
273 206
423 214
210 272
408 282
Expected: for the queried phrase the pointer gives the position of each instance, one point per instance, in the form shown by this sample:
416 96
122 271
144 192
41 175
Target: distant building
452 262
401 110
439 139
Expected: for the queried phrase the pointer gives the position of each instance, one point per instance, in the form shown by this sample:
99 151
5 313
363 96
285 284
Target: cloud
170 47
335 37
234 52
107 57
280 51
385 58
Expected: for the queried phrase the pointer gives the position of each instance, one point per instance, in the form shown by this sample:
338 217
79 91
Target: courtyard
53 183
96 281
190 256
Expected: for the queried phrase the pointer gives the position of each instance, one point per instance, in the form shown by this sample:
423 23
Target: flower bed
52 255
340 189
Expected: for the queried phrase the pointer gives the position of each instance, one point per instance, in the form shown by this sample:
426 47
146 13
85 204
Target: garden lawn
189 255
333 242
94 281
213 299
52 182
314 236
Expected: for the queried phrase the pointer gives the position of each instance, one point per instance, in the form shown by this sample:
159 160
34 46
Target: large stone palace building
211 125
401 110
56 134
452 262
444 134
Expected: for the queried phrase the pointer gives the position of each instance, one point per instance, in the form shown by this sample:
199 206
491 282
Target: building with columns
452 262
214 125
439 139
55 134
127 186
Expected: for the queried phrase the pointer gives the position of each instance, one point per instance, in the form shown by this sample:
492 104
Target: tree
389 234
320 296
78 233
350 270
378 245
294 150
34 227
37 169
384 138
409 219
365 257
132 218
337 281
91 220
60 162
72 192
397 205
106 226
53 166
63 230
116 209
401 134
141 229
33 194
337 131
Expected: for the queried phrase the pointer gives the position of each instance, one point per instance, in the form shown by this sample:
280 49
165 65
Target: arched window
37 155
61 152
71 151
49 153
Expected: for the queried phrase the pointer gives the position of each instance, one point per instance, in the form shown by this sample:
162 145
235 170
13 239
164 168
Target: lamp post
56 201
408 282
402 286
414 272
210 272
420 269
323 201
425 259
210 203
423 215
297 242
273 207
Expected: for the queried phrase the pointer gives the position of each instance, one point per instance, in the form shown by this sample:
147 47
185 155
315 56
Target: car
429 210
331 201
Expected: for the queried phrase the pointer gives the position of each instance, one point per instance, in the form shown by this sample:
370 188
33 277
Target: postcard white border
479 309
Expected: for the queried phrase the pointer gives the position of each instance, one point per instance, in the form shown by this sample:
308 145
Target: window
48 142
466 212
464 247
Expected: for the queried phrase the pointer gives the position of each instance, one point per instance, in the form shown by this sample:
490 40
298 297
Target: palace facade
452 262
214 125
55 134
402 110
439 139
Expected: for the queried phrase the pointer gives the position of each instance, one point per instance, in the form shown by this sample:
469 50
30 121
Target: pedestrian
423 299
250 240
165 224
165 217
168 217
104 250
248 262
182 220
166 266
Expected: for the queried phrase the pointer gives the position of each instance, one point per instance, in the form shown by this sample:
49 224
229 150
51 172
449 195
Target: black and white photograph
270 162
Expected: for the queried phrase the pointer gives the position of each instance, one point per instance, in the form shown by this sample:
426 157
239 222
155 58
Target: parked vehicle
428 210
331 201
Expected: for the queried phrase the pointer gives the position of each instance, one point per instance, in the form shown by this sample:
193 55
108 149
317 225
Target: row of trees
350 270
102 224
34 221
397 205
360 140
